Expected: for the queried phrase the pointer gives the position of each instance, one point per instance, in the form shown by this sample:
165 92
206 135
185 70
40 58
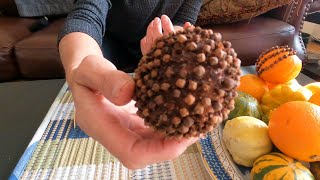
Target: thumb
99 74
186 25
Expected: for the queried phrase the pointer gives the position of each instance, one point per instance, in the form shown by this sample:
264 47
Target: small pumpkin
279 166
313 87
281 94
245 105
315 98
293 81
278 65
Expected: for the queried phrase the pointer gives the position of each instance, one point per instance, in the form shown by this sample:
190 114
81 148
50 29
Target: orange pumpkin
278 65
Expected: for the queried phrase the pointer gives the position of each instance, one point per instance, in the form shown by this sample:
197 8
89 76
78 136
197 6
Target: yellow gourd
246 138
282 94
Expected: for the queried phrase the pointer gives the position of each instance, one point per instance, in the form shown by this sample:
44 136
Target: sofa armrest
295 15
315 6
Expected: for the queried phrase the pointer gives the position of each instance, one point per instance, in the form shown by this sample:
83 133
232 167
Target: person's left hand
156 29
101 95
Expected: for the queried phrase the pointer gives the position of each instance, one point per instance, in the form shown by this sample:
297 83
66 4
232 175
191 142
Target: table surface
23 105
19 119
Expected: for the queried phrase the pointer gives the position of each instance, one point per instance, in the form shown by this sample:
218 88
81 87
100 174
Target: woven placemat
59 150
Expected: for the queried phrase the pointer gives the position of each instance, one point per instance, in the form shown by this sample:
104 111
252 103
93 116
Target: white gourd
247 139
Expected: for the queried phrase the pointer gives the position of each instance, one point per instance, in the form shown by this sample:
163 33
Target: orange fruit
253 85
313 87
294 128
315 98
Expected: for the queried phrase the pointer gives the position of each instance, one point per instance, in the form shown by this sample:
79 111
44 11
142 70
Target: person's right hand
156 29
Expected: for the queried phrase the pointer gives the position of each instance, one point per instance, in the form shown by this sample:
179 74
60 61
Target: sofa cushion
12 30
38 56
221 11
250 39
32 8
8 7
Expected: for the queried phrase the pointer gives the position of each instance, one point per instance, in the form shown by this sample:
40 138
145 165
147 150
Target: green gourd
245 105
279 166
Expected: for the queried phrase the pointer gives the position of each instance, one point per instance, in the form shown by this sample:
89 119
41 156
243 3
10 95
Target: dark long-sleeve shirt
126 21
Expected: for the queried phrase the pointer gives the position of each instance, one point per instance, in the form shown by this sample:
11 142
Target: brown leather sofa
29 53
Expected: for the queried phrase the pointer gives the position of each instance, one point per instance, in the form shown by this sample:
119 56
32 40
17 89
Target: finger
166 25
130 108
158 150
149 38
143 44
101 75
144 132
157 29
186 25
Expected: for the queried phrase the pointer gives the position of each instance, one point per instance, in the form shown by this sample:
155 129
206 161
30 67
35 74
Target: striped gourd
278 65
245 105
279 166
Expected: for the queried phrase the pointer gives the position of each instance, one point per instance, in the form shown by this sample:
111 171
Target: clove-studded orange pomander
278 65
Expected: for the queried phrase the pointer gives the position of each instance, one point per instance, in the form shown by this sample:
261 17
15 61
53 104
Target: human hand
99 92
156 29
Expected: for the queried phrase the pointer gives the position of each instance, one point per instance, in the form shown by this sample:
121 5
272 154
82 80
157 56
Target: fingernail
165 18
116 92
157 20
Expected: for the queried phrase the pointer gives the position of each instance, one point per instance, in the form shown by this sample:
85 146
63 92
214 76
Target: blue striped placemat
59 150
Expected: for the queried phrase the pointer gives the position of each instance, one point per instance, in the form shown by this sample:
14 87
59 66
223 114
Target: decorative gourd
302 94
279 166
245 105
293 81
246 138
278 65
313 87
265 118
282 94
315 169
315 98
